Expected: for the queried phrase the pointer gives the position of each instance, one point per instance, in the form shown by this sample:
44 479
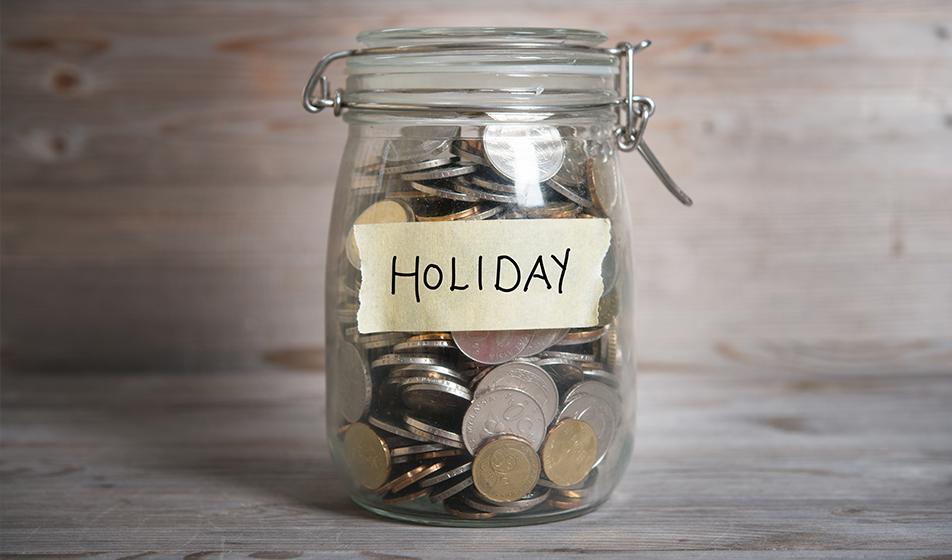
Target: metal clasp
634 112
314 104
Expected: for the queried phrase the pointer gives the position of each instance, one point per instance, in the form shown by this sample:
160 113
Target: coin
383 212
353 386
570 356
503 411
524 152
450 488
448 213
600 414
391 427
534 498
527 378
411 476
398 167
378 340
565 373
600 375
569 452
505 469
458 508
407 495
608 349
541 340
602 179
430 428
582 336
492 347
414 449
596 389
436 396
572 194
404 360
424 345
491 183
443 190
448 453
367 455
428 370
440 173
484 195
444 476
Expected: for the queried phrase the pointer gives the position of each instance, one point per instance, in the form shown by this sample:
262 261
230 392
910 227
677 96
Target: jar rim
555 36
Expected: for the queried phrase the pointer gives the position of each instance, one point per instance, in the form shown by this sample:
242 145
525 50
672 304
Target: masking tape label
480 275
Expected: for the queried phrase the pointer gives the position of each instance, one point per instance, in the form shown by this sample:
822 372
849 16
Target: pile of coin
487 423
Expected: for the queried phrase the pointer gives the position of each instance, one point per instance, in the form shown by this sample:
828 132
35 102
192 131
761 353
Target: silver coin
450 488
426 427
490 184
427 436
393 428
404 360
596 389
468 190
443 192
571 356
435 396
528 378
416 370
415 378
534 498
566 373
379 340
541 340
354 387
440 173
503 411
600 414
404 166
524 152
573 194
446 475
424 345
492 347
467 152
601 376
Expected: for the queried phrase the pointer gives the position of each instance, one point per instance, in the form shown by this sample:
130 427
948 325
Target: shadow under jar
479 290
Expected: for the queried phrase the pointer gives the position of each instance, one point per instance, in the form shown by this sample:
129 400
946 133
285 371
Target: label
480 275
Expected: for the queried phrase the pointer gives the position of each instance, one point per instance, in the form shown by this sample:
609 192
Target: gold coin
383 212
505 469
409 477
367 455
569 452
608 307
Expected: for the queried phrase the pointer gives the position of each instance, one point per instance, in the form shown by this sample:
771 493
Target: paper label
480 275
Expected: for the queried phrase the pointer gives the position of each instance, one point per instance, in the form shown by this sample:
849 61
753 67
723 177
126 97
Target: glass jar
479 285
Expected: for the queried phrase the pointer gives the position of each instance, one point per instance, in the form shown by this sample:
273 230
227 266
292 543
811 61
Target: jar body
482 426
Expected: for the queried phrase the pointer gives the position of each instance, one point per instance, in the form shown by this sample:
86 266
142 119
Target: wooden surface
748 464
165 199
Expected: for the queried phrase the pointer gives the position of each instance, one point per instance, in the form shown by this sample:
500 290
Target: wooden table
745 463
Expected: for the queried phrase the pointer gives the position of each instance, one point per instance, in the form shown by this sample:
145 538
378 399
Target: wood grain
164 198
743 465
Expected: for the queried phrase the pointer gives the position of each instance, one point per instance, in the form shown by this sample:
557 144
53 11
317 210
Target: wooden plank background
165 199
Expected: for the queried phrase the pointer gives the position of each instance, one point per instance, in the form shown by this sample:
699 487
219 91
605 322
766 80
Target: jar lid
492 70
